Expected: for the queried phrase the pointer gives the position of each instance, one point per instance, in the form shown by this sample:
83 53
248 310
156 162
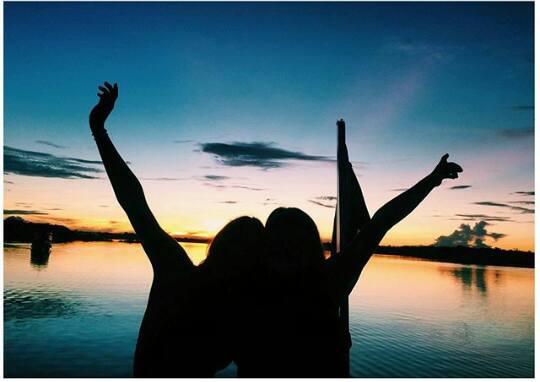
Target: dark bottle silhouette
303 335
188 325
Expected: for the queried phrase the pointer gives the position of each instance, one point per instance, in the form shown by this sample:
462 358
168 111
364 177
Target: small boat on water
41 248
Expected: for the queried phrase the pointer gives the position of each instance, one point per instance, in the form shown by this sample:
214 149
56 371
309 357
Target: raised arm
164 252
354 257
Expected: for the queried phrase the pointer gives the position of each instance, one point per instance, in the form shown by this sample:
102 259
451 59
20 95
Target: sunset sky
230 109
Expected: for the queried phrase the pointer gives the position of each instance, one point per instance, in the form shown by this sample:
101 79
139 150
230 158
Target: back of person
180 334
299 332
296 334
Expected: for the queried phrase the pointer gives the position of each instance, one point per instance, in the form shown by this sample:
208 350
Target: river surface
78 315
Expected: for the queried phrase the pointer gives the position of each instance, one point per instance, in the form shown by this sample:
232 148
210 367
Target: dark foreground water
79 315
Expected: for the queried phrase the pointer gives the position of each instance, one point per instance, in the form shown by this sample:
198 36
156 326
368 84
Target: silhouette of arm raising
353 258
164 252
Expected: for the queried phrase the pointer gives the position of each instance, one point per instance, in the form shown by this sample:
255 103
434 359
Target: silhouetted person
304 336
186 326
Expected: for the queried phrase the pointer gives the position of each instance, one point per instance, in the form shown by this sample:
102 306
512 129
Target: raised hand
446 170
105 106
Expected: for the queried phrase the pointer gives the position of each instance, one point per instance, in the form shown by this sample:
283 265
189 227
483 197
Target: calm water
78 315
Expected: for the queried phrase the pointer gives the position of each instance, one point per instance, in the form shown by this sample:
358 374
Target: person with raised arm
305 337
184 332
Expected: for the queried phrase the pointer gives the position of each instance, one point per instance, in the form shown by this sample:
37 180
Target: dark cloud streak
256 154
524 132
33 163
24 212
47 143
523 210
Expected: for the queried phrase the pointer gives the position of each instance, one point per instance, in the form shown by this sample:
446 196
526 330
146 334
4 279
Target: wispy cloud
326 197
523 132
165 179
469 237
248 188
216 178
428 52
525 193
529 202
523 210
47 143
326 205
242 187
181 141
24 212
462 187
33 163
264 155
522 107
469 217
229 202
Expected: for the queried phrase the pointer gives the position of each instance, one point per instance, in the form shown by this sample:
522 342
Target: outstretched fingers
108 91
108 86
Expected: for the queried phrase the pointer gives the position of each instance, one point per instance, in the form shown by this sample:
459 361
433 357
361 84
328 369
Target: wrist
434 179
98 129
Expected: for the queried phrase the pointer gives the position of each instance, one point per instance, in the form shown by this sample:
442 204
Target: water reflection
472 277
39 258
80 316
20 304
41 249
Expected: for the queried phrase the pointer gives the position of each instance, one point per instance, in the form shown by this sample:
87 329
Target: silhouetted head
236 248
293 242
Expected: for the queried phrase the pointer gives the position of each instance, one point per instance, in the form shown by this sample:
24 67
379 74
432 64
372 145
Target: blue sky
413 81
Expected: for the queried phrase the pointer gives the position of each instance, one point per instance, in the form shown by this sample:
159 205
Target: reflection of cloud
469 276
526 193
257 154
47 143
523 132
33 163
462 187
523 210
465 236
529 202
24 212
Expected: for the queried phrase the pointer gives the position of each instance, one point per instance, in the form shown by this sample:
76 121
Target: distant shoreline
18 230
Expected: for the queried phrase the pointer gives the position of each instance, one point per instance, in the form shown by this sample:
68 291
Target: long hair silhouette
303 305
182 333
